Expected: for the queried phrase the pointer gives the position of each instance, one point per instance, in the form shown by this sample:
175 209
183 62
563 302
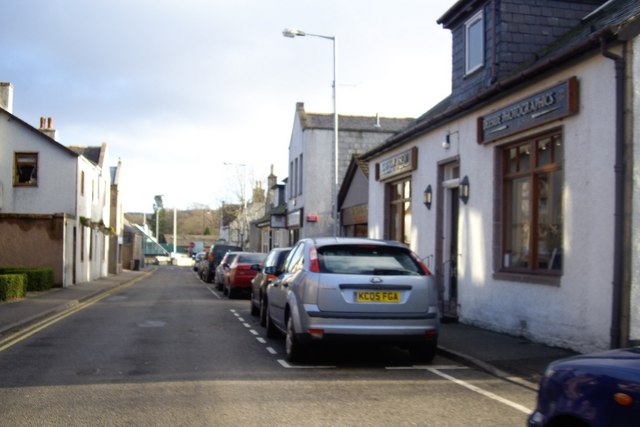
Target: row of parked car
360 289
331 289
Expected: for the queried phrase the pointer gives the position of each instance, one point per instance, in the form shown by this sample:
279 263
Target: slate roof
613 20
352 123
91 153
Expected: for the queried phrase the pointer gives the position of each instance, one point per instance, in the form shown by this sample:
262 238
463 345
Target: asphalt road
172 351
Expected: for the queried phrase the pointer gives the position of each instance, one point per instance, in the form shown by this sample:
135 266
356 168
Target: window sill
538 279
472 72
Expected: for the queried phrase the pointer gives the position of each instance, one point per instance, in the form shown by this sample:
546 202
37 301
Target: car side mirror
256 267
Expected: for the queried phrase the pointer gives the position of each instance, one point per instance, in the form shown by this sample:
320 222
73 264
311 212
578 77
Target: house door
450 252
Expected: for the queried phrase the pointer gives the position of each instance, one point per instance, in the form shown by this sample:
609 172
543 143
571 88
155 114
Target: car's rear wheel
295 350
263 311
254 309
272 331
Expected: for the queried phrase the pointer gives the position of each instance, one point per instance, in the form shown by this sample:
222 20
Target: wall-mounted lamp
428 196
447 141
464 189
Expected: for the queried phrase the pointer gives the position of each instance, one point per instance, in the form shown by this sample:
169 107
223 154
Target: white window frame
478 18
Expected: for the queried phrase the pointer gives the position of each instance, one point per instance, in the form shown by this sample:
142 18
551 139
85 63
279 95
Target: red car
239 274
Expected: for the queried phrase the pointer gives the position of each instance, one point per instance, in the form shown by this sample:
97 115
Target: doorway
448 252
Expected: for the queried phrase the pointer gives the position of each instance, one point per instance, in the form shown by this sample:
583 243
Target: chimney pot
42 122
50 123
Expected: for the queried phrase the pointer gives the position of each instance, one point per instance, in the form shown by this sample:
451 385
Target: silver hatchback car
353 288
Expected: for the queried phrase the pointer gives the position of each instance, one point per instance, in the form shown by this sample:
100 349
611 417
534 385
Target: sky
197 97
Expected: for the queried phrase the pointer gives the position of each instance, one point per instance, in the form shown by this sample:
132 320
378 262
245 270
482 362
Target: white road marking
261 340
481 391
286 365
272 350
427 367
213 292
253 331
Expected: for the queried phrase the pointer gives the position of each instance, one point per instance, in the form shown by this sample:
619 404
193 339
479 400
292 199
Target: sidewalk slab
506 356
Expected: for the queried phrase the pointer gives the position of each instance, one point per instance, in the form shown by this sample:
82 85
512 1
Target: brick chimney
46 127
6 96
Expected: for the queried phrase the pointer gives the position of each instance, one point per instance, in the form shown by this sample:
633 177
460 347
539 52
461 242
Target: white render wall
317 182
634 322
577 314
94 204
56 171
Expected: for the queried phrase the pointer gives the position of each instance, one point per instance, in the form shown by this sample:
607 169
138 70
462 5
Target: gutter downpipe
619 170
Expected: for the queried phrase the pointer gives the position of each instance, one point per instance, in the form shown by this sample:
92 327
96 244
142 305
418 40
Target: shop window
400 210
25 169
533 182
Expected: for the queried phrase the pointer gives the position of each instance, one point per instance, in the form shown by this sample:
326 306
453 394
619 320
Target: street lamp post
291 33
158 205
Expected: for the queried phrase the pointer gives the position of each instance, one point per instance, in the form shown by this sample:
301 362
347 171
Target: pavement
514 359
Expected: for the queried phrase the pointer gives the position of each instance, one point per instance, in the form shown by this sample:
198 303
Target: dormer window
474 43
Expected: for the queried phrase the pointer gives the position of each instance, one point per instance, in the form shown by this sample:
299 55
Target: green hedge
38 279
12 286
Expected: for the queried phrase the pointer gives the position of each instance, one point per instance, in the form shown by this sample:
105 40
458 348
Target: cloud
178 88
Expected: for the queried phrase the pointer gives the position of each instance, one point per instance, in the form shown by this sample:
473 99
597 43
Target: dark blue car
595 390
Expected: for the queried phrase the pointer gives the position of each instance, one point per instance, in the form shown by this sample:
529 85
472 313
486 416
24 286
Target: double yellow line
33 329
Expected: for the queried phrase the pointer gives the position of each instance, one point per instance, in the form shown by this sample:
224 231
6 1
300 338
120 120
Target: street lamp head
292 32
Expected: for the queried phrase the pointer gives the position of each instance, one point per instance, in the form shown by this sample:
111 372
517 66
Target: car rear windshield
368 259
251 258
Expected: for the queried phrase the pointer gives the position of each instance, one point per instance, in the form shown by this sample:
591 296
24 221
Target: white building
311 178
516 188
54 201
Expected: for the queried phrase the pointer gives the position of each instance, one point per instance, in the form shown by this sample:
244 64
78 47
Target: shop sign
553 103
278 221
294 219
355 215
406 161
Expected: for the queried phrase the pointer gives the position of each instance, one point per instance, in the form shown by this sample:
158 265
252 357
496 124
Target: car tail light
623 399
316 333
431 333
314 264
424 268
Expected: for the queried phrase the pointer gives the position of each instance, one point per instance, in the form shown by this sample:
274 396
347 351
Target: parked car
353 288
223 268
595 390
238 278
272 268
203 265
216 252
197 258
